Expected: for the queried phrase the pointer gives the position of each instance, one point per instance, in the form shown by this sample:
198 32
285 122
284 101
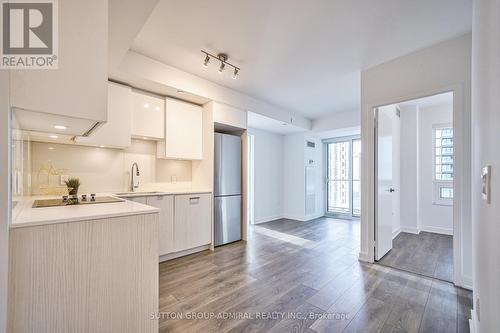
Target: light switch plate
485 183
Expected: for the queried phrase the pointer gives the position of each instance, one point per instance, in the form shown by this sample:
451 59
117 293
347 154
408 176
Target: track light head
235 73
207 60
222 66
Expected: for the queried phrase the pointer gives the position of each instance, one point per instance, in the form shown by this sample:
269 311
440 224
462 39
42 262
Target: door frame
460 122
351 138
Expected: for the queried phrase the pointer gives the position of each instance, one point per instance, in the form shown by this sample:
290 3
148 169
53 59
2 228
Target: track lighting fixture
222 57
221 68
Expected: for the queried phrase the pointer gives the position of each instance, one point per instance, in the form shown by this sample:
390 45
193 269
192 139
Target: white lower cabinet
166 205
185 221
192 223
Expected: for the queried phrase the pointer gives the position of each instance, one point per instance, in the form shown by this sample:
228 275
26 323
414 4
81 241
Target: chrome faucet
132 182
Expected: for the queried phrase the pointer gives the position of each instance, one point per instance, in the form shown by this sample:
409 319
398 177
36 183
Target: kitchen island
83 268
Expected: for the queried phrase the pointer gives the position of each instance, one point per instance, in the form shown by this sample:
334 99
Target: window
343 165
443 164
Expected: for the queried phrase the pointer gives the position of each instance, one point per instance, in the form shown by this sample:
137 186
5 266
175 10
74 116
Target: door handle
391 189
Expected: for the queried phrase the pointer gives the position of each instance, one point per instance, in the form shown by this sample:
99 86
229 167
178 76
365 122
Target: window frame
438 184
350 180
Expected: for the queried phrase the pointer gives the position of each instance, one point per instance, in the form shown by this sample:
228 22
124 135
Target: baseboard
174 255
410 230
396 232
363 256
436 230
473 322
268 219
303 218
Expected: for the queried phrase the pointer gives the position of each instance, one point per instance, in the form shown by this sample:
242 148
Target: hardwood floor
303 277
427 253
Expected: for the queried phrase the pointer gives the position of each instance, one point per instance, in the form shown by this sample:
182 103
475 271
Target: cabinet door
77 88
148 116
166 205
142 200
115 132
183 131
193 220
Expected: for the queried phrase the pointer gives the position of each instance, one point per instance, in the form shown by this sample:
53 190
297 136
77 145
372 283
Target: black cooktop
69 201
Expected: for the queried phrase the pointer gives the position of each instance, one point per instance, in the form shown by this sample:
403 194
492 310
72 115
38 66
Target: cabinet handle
194 198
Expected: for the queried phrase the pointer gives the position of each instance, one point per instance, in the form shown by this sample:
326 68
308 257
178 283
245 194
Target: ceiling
259 121
305 56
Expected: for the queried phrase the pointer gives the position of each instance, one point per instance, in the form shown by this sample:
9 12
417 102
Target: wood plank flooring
296 276
427 253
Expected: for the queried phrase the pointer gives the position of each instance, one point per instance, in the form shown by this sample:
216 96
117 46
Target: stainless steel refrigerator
227 188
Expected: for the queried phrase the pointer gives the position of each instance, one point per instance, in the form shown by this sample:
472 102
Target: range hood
41 122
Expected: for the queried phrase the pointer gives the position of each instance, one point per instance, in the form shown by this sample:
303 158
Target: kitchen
113 178
154 156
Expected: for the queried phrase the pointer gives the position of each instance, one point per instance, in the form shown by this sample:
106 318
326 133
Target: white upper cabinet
230 116
183 131
148 116
115 132
78 87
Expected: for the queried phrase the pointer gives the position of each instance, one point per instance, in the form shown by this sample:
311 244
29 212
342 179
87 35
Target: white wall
432 217
439 68
409 169
486 135
296 157
4 194
294 185
268 175
419 212
102 169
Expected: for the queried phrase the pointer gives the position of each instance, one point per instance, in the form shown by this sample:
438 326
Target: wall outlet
64 178
173 179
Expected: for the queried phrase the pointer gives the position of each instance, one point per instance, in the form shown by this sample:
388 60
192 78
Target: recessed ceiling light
60 127
53 136
51 148
101 146
157 108
146 105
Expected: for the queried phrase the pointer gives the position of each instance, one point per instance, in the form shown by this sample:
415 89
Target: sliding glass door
343 178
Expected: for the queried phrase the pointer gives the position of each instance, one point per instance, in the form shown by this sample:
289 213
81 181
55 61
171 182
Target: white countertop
24 215
158 192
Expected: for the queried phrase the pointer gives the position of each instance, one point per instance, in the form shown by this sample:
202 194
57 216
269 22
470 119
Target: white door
384 209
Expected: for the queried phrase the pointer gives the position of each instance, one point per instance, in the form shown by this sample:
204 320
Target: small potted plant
73 184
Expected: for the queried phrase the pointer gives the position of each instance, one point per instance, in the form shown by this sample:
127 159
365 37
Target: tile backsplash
100 169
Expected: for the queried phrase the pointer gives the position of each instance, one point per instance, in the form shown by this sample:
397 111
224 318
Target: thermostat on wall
485 183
